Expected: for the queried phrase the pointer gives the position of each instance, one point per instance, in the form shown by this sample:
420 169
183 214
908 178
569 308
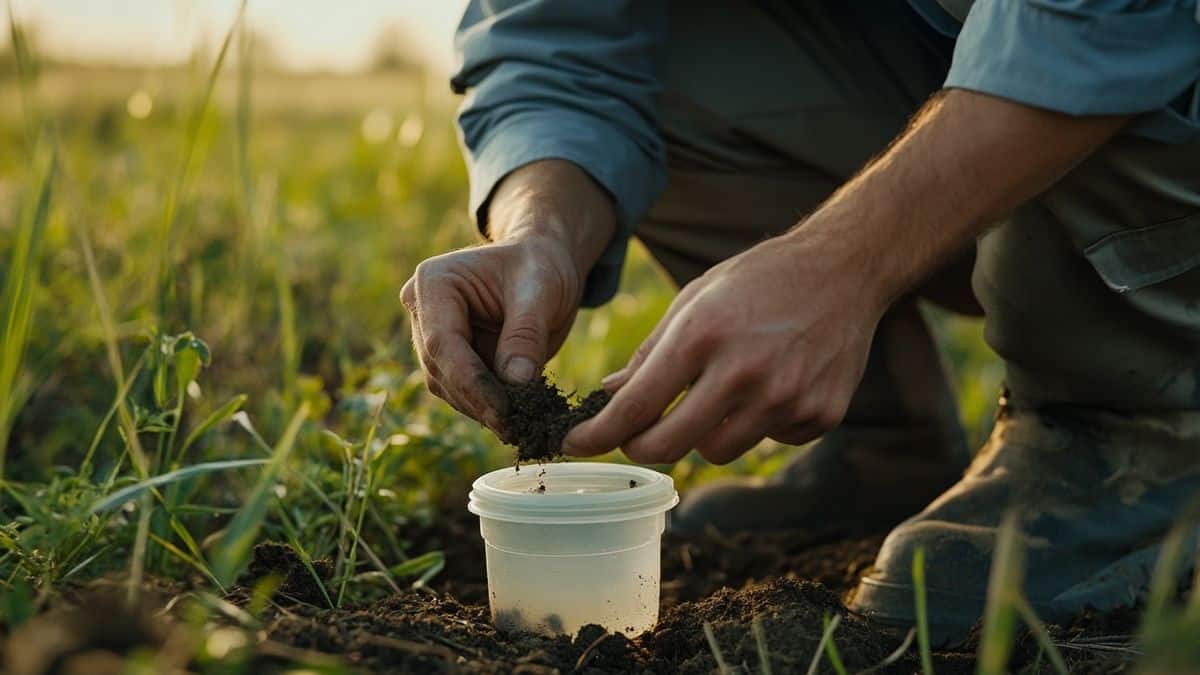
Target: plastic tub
584 549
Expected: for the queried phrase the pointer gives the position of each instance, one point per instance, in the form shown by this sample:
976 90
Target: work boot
899 447
1094 493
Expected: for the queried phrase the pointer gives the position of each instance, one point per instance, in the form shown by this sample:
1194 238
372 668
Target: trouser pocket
1130 260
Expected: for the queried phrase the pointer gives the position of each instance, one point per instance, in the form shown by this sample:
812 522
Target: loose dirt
540 416
791 582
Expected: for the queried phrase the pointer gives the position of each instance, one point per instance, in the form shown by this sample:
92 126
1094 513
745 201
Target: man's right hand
506 307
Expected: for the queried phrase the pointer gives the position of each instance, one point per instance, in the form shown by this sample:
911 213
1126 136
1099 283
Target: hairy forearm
556 200
966 161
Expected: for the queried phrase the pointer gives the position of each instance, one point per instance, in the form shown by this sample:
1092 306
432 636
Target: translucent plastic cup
585 549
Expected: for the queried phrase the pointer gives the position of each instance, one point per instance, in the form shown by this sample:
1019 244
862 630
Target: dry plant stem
760 643
716 649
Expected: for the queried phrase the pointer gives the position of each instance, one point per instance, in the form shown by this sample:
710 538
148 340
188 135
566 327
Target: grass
201 346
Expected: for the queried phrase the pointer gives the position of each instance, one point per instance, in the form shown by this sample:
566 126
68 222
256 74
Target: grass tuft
922 605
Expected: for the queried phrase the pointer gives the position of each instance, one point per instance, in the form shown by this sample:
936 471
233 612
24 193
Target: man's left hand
770 343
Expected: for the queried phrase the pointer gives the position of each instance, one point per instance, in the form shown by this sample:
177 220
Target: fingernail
612 378
520 369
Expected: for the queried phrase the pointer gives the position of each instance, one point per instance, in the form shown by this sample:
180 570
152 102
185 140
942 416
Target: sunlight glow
304 34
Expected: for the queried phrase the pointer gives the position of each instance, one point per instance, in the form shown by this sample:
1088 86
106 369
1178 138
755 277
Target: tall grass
20 287
1006 604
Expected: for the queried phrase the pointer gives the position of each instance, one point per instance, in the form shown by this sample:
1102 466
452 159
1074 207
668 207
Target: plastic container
573 544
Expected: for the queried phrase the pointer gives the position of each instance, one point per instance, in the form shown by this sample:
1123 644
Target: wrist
855 251
556 202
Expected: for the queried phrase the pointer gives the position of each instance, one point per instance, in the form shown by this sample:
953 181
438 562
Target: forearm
556 200
967 160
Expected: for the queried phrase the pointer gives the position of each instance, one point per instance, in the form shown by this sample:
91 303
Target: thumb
521 349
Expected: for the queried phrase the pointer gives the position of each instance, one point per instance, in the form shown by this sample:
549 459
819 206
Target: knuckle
525 329
408 294
700 334
778 397
827 417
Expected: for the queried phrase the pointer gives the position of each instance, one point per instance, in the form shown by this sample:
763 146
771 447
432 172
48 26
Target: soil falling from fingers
540 416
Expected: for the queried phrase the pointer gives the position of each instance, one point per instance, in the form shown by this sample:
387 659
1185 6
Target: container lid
575 492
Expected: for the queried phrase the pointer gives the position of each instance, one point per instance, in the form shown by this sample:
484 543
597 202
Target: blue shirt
578 80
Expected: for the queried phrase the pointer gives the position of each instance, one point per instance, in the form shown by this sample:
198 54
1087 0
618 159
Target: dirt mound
695 566
540 415
792 614
295 580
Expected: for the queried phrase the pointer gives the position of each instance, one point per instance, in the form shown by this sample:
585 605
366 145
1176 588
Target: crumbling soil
296 582
540 415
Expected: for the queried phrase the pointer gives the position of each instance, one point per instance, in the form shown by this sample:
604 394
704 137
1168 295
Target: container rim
493 497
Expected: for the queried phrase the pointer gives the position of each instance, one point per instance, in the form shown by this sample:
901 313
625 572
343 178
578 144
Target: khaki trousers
1090 292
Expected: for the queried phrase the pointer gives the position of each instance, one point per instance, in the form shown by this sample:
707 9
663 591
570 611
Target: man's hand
506 307
764 344
773 342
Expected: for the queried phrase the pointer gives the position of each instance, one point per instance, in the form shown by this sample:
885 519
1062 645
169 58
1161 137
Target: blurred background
205 220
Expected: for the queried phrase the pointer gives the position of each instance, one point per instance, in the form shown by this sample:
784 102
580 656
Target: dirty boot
1094 493
899 447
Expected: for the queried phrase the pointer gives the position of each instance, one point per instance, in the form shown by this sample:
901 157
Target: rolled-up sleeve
1085 57
561 79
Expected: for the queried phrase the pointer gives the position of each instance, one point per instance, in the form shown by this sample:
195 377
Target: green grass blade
835 659
17 301
214 418
1164 582
830 626
125 494
289 531
418 565
192 137
999 614
895 656
26 77
243 528
113 352
85 467
1039 632
364 482
310 485
189 560
921 599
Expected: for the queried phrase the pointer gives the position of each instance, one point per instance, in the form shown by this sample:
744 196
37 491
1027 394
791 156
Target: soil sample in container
540 415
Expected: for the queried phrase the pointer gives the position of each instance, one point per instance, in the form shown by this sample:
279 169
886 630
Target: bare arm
966 161
773 342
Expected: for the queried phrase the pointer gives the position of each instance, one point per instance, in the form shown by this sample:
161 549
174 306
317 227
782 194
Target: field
203 351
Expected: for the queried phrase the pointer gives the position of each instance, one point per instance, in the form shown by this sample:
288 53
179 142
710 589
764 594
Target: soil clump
540 415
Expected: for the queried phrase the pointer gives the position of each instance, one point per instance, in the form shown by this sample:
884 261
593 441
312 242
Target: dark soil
540 415
296 582
790 582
